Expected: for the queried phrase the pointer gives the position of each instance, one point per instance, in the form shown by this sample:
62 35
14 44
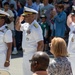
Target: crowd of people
32 26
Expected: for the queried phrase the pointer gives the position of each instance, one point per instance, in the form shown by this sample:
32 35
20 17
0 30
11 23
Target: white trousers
26 64
71 44
71 58
2 61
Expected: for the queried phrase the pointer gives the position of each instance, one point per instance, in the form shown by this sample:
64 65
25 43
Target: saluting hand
19 20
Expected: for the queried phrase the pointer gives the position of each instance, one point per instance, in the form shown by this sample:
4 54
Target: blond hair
58 47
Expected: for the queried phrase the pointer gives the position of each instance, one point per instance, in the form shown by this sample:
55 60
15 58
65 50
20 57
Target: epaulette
35 25
6 27
1 31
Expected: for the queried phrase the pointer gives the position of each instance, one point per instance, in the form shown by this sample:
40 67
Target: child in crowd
60 64
45 29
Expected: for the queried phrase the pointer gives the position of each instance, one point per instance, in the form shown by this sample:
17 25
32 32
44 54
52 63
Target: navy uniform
4 40
32 34
71 42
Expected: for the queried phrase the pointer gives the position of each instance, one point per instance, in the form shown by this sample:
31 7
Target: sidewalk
16 67
16 64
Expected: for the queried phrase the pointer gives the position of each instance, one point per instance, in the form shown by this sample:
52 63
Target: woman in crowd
60 64
5 41
59 17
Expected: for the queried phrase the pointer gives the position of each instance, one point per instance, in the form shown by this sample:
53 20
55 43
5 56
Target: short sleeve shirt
32 34
60 66
72 27
5 37
46 10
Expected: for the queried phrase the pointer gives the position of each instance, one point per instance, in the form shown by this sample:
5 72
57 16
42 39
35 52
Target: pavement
16 64
17 60
72 60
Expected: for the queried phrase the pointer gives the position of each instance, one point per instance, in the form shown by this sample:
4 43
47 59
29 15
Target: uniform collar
33 22
3 27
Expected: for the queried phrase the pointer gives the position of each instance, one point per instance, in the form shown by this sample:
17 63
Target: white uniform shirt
72 27
30 39
71 42
5 37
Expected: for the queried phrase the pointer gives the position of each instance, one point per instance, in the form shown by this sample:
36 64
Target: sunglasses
49 44
32 61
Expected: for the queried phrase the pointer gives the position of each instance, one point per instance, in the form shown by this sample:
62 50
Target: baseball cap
43 16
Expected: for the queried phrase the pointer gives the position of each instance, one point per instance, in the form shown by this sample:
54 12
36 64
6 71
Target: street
16 64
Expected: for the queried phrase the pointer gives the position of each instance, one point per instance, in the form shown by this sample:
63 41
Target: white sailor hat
73 7
3 13
73 10
29 11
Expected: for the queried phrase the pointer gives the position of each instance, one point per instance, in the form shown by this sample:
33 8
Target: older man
32 36
39 63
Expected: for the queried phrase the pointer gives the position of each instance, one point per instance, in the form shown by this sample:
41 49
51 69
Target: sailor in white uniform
71 41
5 41
32 37
71 25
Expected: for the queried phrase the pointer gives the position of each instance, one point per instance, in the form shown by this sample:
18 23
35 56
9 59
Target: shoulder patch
35 25
6 27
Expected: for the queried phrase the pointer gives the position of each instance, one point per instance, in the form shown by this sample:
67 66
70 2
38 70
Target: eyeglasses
50 44
32 61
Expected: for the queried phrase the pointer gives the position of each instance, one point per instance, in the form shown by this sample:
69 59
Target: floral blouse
60 66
